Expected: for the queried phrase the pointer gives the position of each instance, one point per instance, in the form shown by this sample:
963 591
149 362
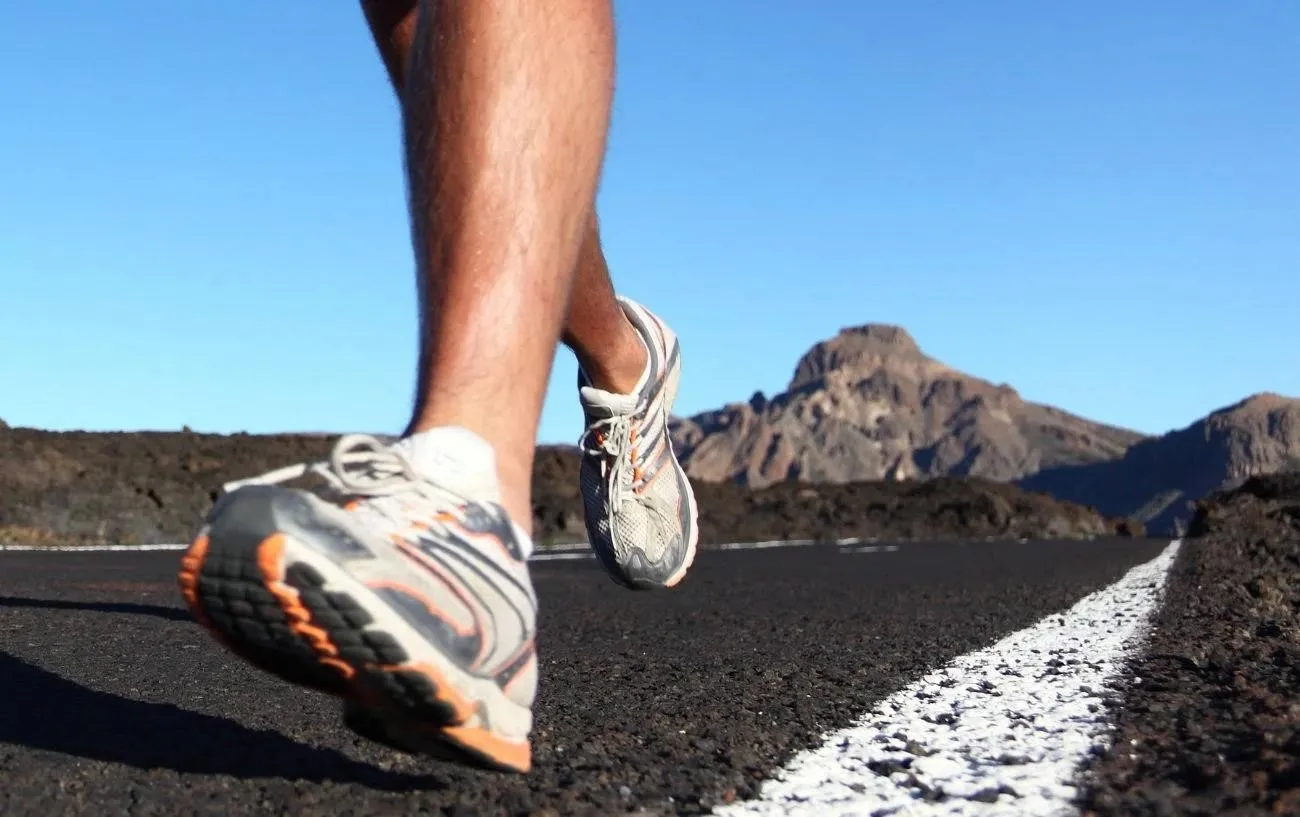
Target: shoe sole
296 614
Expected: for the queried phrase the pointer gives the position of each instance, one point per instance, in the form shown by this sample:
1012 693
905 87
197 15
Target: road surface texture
112 701
1211 722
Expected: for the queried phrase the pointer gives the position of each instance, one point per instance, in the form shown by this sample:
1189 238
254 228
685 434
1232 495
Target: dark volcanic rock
128 487
150 487
943 508
1213 724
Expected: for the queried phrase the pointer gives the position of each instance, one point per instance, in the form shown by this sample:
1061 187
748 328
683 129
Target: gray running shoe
641 515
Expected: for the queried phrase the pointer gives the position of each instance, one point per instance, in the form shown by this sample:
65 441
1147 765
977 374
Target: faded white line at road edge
541 554
88 548
853 550
562 556
999 731
538 556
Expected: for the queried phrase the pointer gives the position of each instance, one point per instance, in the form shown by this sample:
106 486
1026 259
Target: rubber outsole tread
238 606
231 598
374 655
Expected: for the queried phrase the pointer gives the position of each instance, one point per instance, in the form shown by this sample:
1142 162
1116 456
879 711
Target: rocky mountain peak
867 403
1255 404
896 338
857 352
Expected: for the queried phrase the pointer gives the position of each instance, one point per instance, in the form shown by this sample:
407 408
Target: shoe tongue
601 404
456 458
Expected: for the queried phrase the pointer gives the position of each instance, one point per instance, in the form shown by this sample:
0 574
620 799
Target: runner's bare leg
505 110
595 328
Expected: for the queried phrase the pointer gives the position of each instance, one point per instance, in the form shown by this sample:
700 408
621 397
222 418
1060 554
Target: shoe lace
609 438
359 465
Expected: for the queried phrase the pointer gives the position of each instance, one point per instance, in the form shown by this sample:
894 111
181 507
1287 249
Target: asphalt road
112 701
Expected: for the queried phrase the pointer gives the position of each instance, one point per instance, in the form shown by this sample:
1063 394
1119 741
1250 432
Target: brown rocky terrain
1158 480
868 404
83 487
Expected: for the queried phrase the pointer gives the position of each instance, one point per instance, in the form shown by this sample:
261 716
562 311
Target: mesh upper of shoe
632 491
644 515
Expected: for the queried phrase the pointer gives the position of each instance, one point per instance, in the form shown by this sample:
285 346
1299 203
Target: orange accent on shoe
433 609
269 561
476 611
476 537
188 578
510 754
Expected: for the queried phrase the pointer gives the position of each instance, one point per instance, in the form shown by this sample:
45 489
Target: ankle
517 493
483 469
617 366
520 510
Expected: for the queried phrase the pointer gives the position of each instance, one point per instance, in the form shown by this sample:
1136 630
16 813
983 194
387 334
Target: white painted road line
999 731
538 556
849 551
544 556
565 551
775 543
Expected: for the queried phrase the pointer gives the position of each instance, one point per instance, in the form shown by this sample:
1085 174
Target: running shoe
641 515
402 588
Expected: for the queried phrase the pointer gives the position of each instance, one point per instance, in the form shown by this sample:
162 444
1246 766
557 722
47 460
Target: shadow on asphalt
170 613
41 710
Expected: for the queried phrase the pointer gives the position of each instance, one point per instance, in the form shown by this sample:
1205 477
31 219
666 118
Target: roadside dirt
1212 726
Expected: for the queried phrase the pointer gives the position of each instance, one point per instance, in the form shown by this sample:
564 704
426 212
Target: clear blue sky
202 210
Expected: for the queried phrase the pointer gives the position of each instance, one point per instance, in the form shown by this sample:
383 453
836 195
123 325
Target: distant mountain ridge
868 404
1158 479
